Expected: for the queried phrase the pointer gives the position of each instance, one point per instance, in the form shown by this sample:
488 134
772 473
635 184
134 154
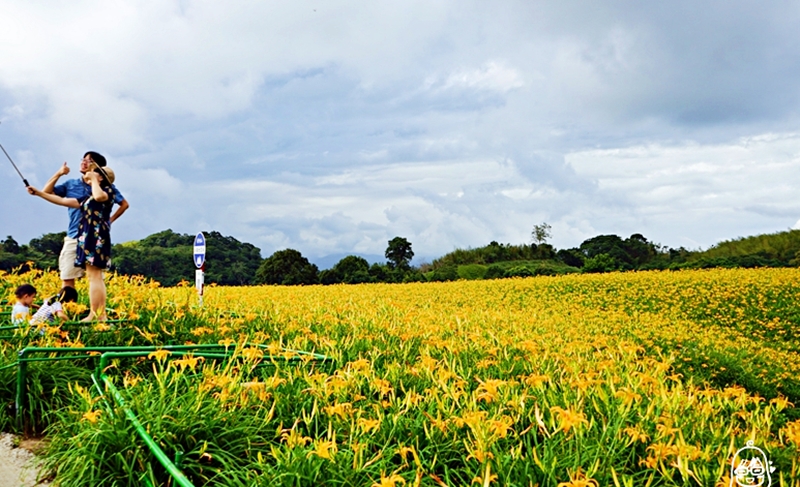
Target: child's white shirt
20 314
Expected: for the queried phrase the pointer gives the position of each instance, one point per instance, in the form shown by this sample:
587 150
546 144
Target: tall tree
49 244
10 245
399 253
46 249
287 267
353 269
541 233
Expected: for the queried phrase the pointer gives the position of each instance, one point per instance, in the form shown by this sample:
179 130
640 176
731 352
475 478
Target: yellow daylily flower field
627 379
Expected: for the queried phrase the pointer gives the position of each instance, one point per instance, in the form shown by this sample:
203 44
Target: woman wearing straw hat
94 233
77 188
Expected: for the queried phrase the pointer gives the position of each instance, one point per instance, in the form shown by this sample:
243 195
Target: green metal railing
77 353
104 354
65 323
66 326
177 475
101 356
81 353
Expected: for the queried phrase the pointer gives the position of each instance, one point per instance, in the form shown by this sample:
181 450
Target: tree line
167 258
289 267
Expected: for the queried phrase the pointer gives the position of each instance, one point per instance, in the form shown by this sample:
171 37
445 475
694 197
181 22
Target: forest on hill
166 257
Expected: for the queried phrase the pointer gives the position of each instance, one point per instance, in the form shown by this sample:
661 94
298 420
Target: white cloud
330 126
369 204
692 188
115 64
493 76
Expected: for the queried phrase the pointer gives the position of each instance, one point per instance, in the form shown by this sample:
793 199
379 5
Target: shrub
519 271
600 263
494 272
446 273
471 271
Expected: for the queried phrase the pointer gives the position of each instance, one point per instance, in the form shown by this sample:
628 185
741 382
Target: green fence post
20 401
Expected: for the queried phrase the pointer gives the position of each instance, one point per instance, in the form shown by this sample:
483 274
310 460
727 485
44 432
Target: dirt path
17 465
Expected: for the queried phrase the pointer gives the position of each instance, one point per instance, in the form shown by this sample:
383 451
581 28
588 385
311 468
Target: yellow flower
666 430
473 419
569 419
437 422
500 427
383 386
780 403
650 462
792 432
92 416
159 355
188 361
662 451
147 335
342 410
369 425
480 454
535 380
324 449
201 330
636 434
488 477
252 353
273 382
405 450
488 390
130 380
389 481
628 396
293 438
579 480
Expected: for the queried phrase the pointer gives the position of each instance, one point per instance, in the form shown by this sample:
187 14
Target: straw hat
107 173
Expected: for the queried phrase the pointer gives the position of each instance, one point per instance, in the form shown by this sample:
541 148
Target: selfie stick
15 166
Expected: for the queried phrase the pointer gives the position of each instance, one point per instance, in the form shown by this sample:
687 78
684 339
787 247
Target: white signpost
200 263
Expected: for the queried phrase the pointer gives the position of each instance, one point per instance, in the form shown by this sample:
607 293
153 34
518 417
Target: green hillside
781 248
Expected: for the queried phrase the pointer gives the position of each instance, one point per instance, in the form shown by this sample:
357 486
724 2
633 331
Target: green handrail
162 457
67 323
25 352
24 358
180 478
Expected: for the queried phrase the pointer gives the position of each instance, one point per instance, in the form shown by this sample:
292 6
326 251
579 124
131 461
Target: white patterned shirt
46 313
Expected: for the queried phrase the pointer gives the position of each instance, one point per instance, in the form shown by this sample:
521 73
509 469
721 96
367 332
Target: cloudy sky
332 126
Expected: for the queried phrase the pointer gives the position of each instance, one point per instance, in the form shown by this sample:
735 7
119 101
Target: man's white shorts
66 261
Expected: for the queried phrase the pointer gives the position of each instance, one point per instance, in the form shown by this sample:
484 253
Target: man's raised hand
64 169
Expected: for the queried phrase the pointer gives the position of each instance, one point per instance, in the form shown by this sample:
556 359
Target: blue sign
199 250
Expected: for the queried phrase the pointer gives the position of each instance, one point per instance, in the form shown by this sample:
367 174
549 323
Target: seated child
22 310
52 309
